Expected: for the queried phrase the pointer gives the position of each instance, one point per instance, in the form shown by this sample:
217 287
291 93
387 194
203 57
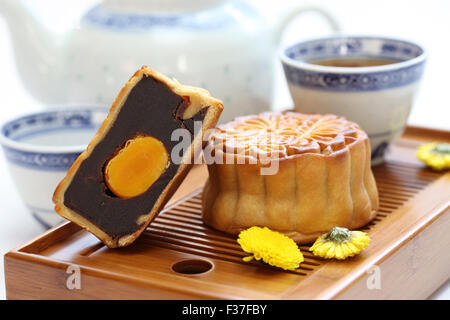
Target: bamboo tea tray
178 257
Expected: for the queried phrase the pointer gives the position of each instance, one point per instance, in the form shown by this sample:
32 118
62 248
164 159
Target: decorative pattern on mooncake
320 175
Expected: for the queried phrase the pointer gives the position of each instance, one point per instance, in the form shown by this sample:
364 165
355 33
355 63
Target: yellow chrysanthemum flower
435 155
272 247
340 243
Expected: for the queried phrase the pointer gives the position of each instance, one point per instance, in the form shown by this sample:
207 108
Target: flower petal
272 247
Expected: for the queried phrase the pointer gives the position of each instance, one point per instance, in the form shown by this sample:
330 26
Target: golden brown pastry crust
322 182
198 98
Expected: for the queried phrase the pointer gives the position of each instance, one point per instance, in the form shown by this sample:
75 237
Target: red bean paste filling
150 109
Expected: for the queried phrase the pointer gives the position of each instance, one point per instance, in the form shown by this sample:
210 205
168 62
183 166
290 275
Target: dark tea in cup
352 62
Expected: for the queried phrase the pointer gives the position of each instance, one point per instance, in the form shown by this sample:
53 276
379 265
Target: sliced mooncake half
128 171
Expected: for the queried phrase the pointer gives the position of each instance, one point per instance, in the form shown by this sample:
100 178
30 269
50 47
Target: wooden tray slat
407 234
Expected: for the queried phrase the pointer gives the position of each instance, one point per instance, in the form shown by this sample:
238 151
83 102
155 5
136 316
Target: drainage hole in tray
192 266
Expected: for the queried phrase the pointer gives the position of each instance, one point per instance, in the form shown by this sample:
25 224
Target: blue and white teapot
224 46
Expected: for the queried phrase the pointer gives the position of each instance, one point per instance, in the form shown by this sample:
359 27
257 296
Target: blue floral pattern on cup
41 147
353 47
354 81
36 124
46 161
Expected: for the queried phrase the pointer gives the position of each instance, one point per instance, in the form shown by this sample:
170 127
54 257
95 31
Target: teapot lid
160 6
144 15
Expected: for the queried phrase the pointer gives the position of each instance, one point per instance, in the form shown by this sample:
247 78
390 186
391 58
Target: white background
426 22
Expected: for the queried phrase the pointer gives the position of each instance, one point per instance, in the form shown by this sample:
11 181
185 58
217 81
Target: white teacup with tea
369 80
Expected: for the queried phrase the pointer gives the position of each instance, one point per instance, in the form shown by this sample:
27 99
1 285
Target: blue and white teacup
41 147
377 97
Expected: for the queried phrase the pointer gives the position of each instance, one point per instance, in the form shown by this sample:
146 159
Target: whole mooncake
299 174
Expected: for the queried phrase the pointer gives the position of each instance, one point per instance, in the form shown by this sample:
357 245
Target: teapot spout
37 53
